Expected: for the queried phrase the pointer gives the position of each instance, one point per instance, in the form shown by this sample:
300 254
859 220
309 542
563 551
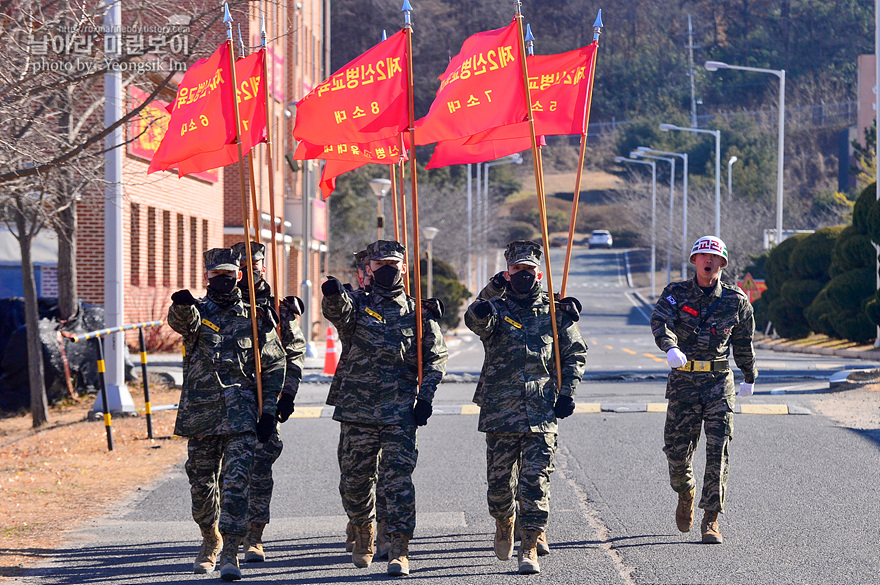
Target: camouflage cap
523 252
361 259
221 259
258 251
385 250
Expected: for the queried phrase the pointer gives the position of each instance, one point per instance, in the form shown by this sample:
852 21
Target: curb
848 353
841 381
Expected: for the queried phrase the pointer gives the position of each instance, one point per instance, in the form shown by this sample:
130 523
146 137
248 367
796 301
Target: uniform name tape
211 325
373 314
514 323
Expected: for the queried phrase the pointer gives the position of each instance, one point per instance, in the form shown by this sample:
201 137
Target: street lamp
641 153
717 135
730 162
380 187
515 158
621 159
780 73
430 232
684 204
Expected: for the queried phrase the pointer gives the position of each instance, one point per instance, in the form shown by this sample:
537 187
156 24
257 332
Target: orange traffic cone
331 358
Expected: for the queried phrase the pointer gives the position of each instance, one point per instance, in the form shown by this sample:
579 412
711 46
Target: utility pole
691 72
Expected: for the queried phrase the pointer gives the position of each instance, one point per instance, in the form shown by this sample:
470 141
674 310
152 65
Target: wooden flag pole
404 238
417 276
258 369
394 203
271 165
597 30
258 215
539 186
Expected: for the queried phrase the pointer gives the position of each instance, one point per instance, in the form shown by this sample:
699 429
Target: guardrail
97 335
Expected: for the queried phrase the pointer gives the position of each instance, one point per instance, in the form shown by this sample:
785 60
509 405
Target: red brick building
169 222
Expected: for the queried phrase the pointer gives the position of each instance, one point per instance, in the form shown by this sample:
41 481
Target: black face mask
522 282
258 276
387 276
222 284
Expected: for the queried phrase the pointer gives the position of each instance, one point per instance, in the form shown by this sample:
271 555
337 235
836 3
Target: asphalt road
802 503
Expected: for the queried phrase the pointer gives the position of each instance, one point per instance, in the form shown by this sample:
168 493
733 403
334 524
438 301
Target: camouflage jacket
519 372
219 390
292 339
680 309
345 347
380 384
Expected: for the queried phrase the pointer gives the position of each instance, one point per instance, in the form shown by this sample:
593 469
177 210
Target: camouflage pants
518 466
260 493
382 470
360 449
681 435
210 458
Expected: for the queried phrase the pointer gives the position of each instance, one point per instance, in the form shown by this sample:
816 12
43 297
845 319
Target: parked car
600 239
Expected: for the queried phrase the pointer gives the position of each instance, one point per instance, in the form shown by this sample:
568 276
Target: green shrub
862 208
852 251
800 293
874 222
872 309
776 264
850 290
811 258
447 288
820 315
789 321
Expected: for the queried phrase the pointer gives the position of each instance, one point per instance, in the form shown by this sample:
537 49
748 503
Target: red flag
387 151
482 88
201 132
560 89
482 147
365 100
332 169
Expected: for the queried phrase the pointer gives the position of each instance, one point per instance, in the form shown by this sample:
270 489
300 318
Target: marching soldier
294 343
697 322
520 400
380 402
218 406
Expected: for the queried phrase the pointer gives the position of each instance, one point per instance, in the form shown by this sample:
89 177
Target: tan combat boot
528 553
542 546
362 553
350 533
504 538
253 543
383 540
709 527
398 556
229 570
206 561
684 512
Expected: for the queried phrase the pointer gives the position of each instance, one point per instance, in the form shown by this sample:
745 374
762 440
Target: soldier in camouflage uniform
697 322
380 402
520 399
294 343
218 406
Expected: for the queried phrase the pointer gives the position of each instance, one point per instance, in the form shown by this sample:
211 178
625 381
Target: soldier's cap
221 259
523 252
258 251
385 250
361 259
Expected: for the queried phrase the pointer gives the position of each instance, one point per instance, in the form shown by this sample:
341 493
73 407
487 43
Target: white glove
746 389
676 358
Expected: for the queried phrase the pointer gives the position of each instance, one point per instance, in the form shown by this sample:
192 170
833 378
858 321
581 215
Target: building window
135 234
151 246
181 264
193 252
166 249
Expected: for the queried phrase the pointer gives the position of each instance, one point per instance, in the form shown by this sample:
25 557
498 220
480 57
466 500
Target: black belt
705 366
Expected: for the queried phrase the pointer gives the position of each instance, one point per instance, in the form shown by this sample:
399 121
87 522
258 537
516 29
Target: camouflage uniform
378 391
294 343
519 393
705 398
218 403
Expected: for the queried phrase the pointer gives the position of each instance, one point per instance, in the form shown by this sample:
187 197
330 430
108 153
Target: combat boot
362 553
229 570
206 561
542 546
350 533
684 512
709 527
383 541
504 538
528 553
253 543
398 556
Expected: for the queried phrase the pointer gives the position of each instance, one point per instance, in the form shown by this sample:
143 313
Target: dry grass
55 478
